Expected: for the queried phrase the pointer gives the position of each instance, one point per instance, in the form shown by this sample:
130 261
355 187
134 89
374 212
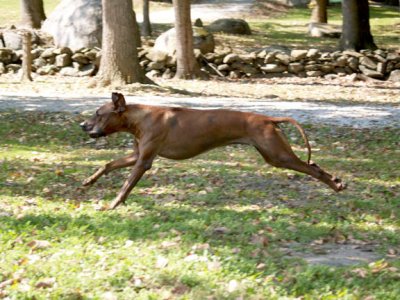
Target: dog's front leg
123 162
138 170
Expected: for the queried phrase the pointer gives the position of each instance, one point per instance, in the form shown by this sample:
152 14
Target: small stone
295 68
80 58
283 58
381 67
352 53
394 76
48 53
314 74
2 68
39 62
297 55
13 68
273 68
87 70
168 74
223 67
235 74
341 61
370 73
157 55
368 62
69 71
155 66
153 73
313 53
230 58
63 60
62 50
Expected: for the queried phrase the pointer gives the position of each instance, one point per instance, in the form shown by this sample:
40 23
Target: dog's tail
297 125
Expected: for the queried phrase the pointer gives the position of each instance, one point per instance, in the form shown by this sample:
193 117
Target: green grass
163 243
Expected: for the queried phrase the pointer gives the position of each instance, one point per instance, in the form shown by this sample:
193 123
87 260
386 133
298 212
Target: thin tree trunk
27 56
187 66
319 12
356 31
32 13
146 25
119 62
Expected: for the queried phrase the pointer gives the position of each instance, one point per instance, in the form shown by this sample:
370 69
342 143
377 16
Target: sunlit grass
207 227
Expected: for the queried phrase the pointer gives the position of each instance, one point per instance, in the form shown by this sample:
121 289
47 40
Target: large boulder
76 24
202 40
233 26
13 39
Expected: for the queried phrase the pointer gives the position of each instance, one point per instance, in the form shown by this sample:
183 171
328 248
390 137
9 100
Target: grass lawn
222 226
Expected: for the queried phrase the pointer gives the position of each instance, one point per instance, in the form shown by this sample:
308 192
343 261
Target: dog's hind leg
277 152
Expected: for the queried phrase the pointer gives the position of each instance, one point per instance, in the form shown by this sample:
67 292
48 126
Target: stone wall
270 62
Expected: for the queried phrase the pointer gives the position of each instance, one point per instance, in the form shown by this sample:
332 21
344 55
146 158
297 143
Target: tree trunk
356 31
319 11
32 13
146 25
186 64
119 62
27 56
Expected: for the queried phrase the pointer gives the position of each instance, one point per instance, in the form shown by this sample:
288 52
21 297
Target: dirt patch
336 255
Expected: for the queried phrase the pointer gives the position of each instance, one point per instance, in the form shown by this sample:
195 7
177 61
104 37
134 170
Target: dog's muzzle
93 133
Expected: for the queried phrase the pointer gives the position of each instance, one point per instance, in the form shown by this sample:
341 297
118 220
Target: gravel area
353 115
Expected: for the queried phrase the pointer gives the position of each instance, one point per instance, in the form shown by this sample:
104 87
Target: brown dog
180 133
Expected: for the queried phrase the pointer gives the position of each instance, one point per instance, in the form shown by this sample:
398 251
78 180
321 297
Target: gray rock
341 61
87 70
13 68
353 63
202 39
232 26
13 39
69 71
2 68
168 74
235 74
314 73
327 68
91 55
153 73
231 58
394 76
36 52
352 53
75 24
381 67
63 60
156 55
283 58
368 62
312 67
48 53
313 53
297 55
6 55
270 58
370 73
80 58
393 56
223 67
47 70
295 68
63 50
274 68
39 62
155 66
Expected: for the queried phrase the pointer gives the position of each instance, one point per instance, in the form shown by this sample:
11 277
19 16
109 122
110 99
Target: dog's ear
119 102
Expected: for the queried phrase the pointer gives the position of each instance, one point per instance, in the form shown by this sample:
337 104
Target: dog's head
107 118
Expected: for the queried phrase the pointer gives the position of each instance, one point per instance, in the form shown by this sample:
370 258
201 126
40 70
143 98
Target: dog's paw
89 181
